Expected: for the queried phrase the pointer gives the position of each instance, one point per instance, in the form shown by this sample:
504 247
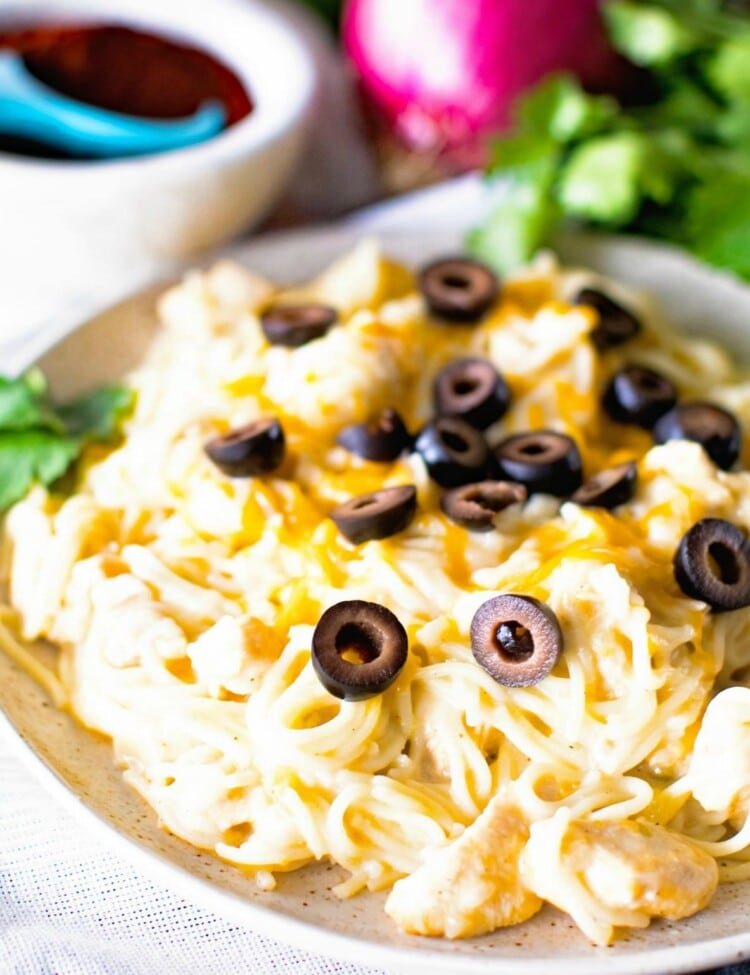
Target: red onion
443 72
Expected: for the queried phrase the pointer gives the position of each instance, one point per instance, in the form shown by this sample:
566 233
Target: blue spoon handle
31 109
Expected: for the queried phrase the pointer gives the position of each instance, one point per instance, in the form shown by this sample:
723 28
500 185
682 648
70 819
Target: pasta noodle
183 603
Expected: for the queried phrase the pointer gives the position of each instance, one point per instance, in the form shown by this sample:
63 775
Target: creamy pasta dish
439 578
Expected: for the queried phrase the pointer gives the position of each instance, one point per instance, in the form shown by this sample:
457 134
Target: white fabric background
70 907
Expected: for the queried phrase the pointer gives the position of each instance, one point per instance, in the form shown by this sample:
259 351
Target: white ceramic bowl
71 229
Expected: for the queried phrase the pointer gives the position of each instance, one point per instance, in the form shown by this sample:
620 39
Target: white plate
77 767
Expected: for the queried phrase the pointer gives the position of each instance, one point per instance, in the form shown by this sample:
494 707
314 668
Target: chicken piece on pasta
719 775
473 885
610 874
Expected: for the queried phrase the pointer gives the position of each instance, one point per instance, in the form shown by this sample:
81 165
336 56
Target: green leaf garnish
561 110
39 442
677 167
27 456
23 404
516 228
729 70
718 222
607 179
97 416
647 34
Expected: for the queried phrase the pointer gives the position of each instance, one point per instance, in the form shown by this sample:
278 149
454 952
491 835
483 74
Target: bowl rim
268 28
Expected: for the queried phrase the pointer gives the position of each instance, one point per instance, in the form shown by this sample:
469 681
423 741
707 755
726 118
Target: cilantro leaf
729 70
30 455
39 442
561 110
23 404
97 415
648 34
675 166
521 222
718 222
527 163
526 157
607 179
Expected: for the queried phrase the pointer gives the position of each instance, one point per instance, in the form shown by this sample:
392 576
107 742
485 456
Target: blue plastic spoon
32 110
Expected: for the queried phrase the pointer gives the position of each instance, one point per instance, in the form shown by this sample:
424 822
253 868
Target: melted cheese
184 604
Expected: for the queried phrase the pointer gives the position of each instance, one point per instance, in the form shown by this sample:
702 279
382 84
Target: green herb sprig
39 442
677 168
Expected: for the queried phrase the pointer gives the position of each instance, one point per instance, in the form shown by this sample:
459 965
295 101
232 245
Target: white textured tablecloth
70 907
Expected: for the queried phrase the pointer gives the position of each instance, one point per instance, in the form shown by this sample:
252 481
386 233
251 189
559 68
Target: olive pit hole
465 386
454 441
514 641
723 563
357 644
533 449
363 503
487 501
456 281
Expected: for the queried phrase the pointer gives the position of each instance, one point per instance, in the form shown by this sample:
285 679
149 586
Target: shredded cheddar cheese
184 601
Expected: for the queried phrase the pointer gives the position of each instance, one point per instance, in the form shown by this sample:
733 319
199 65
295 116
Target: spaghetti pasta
183 603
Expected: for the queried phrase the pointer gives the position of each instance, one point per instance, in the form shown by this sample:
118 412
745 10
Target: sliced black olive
473 390
474 506
383 438
543 461
517 639
295 325
458 289
454 452
608 489
377 515
639 396
616 324
714 428
256 448
712 563
358 649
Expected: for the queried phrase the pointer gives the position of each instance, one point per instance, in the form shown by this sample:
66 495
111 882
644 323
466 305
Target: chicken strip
471 886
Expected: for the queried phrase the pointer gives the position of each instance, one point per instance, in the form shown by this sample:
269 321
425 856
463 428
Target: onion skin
446 72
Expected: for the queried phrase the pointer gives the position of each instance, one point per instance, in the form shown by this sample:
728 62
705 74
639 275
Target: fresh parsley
675 168
39 441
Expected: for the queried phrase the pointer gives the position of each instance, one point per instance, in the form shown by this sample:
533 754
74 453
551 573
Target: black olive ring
474 506
358 649
516 639
616 324
609 488
639 396
458 289
454 452
714 428
544 461
379 514
383 438
296 325
253 449
712 563
473 390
